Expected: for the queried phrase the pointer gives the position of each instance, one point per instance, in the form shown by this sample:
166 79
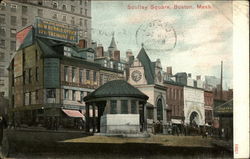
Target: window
101 79
72 9
37 97
24 21
13 45
85 23
40 2
2 19
73 74
29 75
81 10
1 72
80 76
13 33
54 4
51 93
27 98
113 107
85 12
87 74
85 2
64 17
124 107
94 76
24 10
73 20
3 5
80 22
40 12
37 73
54 16
66 94
73 95
66 76
2 43
159 110
37 56
2 31
13 7
2 56
133 107
64 7
80 2
13 20
81 96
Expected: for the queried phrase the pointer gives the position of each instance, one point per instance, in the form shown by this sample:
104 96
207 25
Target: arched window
159 110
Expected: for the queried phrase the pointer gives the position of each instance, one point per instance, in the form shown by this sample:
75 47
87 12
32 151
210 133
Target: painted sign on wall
56 30
18 64
24 37
51 73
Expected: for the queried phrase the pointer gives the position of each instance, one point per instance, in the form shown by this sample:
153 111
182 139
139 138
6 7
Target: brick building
49 78
209 105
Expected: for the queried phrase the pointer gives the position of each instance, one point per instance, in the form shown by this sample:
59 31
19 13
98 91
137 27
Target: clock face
136 75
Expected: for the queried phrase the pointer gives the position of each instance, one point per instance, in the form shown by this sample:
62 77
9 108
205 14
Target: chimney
169 71
190 75
99 51
198 77
128 54
116 55
82 43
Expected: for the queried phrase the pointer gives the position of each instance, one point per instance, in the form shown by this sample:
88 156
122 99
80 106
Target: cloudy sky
190 40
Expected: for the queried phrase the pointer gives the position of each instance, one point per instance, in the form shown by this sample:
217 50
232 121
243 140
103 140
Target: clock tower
136 74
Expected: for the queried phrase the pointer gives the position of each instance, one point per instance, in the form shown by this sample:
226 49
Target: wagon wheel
4 148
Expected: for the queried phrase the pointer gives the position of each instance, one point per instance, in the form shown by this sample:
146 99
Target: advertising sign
18 64
56 30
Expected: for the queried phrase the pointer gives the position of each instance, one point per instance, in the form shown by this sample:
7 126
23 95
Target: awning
73 113
176 121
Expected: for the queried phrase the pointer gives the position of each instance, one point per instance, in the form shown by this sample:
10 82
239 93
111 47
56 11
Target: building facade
17 14
49 79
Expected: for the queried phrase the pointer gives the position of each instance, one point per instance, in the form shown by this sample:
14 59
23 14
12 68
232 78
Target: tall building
18 14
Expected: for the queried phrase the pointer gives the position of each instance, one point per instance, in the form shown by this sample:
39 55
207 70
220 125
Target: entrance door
158 125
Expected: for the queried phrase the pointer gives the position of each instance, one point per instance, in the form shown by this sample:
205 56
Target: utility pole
221 81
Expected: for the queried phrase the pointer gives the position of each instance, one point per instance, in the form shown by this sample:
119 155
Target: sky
189 39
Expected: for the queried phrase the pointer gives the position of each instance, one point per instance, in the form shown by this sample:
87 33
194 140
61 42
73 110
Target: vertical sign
51 73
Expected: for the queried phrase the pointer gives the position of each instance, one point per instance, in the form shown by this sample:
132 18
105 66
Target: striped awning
73 113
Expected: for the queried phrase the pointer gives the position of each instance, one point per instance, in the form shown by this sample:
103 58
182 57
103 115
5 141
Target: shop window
124 107
113 107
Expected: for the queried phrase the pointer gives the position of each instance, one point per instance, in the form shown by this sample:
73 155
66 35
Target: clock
136 75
